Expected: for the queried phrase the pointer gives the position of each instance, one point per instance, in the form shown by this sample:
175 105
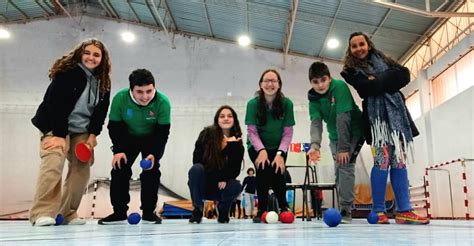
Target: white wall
197 76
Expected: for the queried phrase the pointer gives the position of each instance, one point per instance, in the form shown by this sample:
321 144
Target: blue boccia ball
332 217
372 218
134 218
145 164
59 219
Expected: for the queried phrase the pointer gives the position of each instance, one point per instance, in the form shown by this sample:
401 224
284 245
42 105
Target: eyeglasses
270 81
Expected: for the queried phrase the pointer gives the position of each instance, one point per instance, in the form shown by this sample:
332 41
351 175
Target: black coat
233 155
60 99
390 81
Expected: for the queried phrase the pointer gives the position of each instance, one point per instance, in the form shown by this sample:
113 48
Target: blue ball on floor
145 164
373 218
59 219
134 218
332 217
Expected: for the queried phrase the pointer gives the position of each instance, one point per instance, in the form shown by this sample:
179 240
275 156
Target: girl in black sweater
217 160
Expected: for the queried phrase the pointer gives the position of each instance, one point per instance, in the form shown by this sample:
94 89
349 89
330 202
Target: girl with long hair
73 111
217 159
269 119
387 123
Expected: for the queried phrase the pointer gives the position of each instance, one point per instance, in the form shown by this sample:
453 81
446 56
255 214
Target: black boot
257 219
196 216
223 215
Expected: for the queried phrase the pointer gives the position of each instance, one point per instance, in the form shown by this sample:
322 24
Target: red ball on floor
287 217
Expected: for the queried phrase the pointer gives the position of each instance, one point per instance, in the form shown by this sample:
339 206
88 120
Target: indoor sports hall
207 53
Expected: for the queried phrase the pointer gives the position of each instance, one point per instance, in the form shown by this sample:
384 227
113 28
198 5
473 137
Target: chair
297 158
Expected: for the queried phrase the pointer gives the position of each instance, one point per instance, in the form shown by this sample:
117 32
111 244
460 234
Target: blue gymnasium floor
176 232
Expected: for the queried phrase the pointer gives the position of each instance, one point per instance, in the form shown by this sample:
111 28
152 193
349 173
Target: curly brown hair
70 60
350 61
277 104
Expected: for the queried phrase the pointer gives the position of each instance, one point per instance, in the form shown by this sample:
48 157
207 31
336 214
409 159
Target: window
414 105
453 80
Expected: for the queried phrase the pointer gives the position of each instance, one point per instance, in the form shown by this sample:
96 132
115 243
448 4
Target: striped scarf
388 116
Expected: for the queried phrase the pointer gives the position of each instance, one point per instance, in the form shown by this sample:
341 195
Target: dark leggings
149 181
235 203
266 179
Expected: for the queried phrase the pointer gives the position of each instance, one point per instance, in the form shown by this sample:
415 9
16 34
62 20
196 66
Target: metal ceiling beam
420 12
154 11
171 14
317 20
355 27
151 12
289 30
111 6
57 3
42 8
382 22
106 8
134 12
188 34
18 9
431 30
330 28
247 22
208 20
4 17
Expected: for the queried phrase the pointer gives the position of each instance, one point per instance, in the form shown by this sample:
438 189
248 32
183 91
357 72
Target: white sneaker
76 221
45 221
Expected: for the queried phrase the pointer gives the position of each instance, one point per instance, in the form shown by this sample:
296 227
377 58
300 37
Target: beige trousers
48 199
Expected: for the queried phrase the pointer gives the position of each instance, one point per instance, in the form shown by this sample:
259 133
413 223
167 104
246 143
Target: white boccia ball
272 217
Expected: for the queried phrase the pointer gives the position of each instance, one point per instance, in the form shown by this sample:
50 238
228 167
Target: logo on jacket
129 113
151 115
333 101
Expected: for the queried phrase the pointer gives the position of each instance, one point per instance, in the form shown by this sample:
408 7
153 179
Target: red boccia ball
263 217
287 217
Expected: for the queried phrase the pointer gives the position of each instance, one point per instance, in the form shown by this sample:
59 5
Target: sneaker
410 217
196 216
45 221
76 221
383 219
346 216
114 219
151 218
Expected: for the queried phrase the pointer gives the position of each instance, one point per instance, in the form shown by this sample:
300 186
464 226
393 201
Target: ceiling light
244 40
4 34
128 37
333 43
